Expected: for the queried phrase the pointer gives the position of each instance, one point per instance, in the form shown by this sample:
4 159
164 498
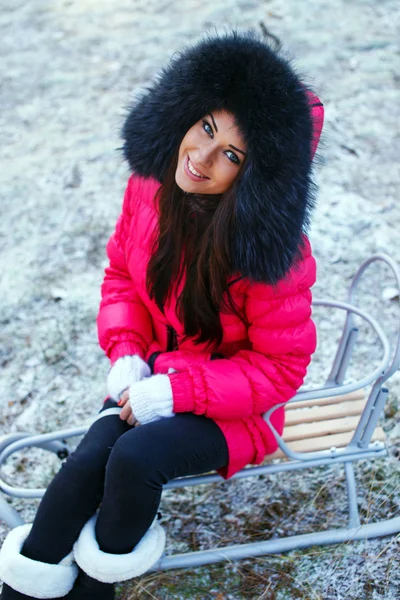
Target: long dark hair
193 239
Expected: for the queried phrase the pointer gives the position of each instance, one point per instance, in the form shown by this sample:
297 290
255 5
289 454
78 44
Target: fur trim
31 577
240 73
112 568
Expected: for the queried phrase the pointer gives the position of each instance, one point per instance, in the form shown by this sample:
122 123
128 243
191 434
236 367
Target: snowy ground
68 70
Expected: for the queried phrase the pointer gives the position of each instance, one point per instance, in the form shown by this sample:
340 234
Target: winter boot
26 579
113 568
87 588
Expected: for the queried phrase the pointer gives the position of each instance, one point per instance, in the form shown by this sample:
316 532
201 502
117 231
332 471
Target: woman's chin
183 188
190 187
184 184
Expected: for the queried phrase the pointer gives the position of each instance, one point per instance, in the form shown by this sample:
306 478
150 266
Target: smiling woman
205 312
210 155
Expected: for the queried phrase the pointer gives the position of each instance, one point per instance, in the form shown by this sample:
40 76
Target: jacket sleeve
123 322
282 337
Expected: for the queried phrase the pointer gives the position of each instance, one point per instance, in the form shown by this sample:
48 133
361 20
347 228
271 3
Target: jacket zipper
172 339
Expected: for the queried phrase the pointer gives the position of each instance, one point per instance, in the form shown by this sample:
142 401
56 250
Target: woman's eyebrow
230 145
215 126
237 149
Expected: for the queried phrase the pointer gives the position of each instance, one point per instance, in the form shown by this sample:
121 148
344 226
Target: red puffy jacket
264 362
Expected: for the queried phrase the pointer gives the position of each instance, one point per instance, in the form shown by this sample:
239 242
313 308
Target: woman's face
210 155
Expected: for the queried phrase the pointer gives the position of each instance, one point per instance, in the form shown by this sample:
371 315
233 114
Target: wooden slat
326 442
357 395
317 425
320 428
323 413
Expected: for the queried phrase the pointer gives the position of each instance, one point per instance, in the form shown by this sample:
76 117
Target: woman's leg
141 462
75 492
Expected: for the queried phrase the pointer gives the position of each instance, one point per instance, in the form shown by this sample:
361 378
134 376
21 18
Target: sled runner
336 423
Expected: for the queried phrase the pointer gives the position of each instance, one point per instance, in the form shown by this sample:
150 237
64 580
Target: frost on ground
69 68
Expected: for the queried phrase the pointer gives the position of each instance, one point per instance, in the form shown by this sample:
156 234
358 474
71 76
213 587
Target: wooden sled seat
316 425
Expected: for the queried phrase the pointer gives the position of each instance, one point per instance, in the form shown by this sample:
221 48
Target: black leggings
124 469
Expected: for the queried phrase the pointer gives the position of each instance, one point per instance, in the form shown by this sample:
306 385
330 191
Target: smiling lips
192 172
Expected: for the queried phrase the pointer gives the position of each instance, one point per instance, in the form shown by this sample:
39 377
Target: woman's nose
204 156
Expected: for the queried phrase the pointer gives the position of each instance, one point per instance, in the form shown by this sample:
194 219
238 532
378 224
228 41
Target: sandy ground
68 69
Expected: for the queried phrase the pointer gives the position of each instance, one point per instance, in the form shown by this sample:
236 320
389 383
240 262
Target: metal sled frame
359 447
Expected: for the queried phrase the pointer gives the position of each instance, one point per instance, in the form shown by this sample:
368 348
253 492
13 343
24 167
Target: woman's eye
207 127
232 157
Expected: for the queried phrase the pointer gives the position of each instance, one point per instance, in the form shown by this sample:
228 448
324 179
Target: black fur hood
241 74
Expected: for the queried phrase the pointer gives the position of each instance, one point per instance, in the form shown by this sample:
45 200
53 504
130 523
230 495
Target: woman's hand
126 413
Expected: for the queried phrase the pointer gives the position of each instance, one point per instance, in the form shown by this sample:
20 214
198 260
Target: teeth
191 169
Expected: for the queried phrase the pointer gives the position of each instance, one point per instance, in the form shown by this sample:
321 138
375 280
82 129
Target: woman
205 312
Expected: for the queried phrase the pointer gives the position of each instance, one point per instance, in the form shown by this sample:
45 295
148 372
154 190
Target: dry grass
233 513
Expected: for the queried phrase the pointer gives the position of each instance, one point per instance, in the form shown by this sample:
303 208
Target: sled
338 423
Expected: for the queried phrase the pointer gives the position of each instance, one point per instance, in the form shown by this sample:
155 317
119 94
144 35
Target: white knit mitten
124 372
151 399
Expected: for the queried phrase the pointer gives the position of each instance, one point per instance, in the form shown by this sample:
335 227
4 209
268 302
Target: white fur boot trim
32 577
112 568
